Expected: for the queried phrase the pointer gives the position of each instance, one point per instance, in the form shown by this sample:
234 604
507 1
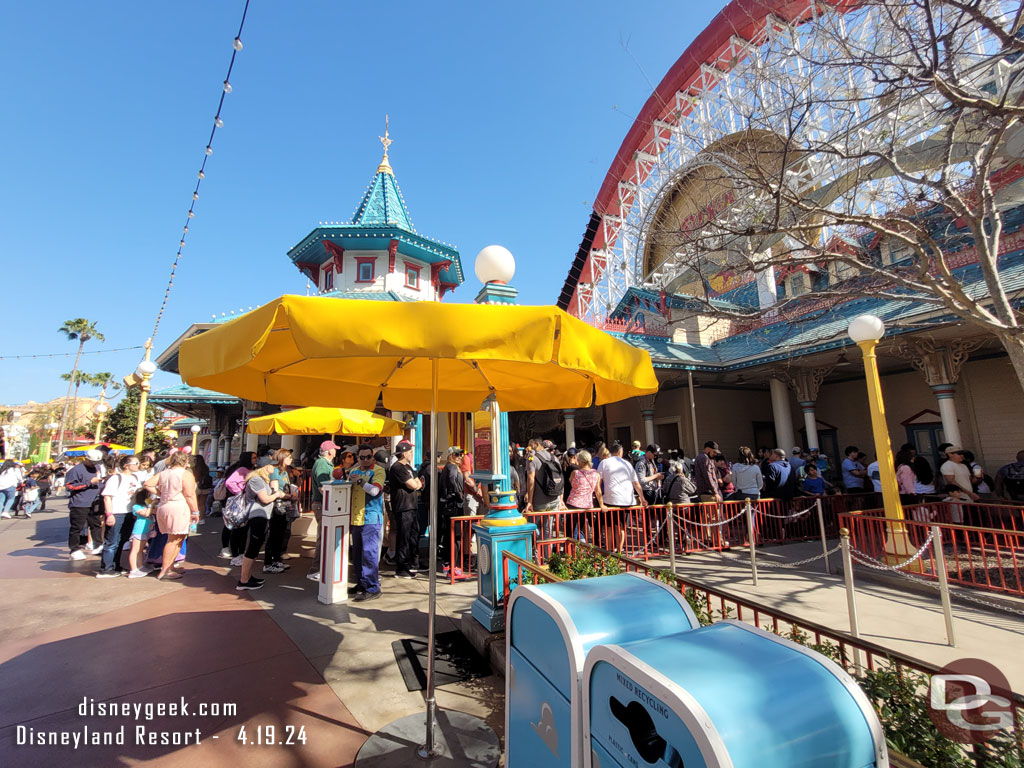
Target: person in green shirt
322 469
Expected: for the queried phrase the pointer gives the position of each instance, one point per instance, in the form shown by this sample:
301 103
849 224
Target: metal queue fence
973 556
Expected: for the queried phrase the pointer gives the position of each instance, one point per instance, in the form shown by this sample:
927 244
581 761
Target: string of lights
218 122
69 354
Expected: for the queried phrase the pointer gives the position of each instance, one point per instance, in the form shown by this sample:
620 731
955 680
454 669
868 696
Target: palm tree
105 380
75 379
80 330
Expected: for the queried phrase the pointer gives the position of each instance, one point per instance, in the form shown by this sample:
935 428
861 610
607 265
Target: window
798 284
365 269
328 278
895 251
412 277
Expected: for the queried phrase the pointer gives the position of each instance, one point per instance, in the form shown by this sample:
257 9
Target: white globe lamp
196 429
495 264
146 368
866 328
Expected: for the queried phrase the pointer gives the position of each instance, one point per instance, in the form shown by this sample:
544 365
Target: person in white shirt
876 476
11 476
955 472
117 495
619 483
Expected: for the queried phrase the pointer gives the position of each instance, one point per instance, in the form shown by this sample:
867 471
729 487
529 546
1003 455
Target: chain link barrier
790 516
956 592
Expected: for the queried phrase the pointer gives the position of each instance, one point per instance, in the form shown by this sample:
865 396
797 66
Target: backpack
236 512
551 481
1014 479
220 490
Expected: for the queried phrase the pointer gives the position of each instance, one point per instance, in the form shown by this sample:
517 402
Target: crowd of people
141 509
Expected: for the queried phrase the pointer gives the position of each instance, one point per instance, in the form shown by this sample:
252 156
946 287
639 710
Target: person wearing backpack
544 483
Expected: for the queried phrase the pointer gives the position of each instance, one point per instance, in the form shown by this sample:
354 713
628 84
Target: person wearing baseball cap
322 469
83 484
404 505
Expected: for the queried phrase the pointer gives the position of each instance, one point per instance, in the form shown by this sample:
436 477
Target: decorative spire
385 166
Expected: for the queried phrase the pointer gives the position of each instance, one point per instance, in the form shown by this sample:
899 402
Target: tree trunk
1014 346
71 383
74 409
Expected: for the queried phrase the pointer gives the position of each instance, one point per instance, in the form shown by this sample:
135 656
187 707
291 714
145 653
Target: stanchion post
671 536
749 509
940 569
824 541
851 598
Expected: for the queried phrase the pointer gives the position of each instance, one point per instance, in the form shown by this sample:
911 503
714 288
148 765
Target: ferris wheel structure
734 69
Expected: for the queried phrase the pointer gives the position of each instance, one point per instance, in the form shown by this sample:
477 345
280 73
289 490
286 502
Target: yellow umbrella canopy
297 350
331 421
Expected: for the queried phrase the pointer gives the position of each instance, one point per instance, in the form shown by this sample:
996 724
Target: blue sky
505 119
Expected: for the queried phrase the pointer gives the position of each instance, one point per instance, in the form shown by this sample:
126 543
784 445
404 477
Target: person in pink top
176 487
586 488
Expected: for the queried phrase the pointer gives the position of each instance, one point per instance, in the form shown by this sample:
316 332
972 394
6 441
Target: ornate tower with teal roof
378 254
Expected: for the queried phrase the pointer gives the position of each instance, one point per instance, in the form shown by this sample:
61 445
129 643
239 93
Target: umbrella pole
429 749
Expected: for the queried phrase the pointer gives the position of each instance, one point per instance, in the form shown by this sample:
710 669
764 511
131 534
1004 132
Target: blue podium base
492 619
492 540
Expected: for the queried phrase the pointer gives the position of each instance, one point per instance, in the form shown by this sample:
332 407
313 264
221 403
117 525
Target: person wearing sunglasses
367 522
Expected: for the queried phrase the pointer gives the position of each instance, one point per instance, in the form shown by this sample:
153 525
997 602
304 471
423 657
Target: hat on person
797 449
571 452
328 445
94 455
454 451
403 446
548 445
954 449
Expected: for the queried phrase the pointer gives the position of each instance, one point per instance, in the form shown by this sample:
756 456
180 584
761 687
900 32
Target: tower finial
385 166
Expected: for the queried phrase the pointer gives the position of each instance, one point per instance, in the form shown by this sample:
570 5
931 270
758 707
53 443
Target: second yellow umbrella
330 421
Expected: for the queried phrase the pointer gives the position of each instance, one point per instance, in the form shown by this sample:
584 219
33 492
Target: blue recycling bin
728 694
550 629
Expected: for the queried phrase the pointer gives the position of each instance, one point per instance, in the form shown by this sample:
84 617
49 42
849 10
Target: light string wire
236 46
69 354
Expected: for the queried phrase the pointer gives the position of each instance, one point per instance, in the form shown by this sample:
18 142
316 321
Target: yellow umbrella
295 350
331 421
416 356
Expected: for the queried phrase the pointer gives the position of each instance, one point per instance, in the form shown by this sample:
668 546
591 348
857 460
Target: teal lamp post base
502 530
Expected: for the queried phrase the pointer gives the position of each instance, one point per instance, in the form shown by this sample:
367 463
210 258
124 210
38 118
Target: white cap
94 455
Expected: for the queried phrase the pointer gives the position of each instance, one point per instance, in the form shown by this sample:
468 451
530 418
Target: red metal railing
460 547
978 557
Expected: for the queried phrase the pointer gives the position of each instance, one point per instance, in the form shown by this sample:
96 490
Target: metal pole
671 536
851 598
940 568
749 509
428 750
824 542
693 413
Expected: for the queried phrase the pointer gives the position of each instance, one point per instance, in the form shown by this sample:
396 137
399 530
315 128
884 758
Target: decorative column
570 427
782 414
503 528
647 412
807 382
415 437
213 458
252 442
941 367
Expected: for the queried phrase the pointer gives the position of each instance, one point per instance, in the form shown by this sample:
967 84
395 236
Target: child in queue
145 518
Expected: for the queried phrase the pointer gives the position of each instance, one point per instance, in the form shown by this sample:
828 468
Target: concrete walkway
893 615
275 657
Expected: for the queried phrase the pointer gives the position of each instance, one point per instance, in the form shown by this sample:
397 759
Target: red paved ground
69 637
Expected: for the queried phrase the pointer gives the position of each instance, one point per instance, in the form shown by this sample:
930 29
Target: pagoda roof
380 218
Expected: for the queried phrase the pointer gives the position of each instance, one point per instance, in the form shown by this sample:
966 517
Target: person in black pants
83 484
451 496
280 525
404 508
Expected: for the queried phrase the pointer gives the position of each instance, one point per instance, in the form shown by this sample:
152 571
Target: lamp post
145 371
100 409
196 429
866 330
